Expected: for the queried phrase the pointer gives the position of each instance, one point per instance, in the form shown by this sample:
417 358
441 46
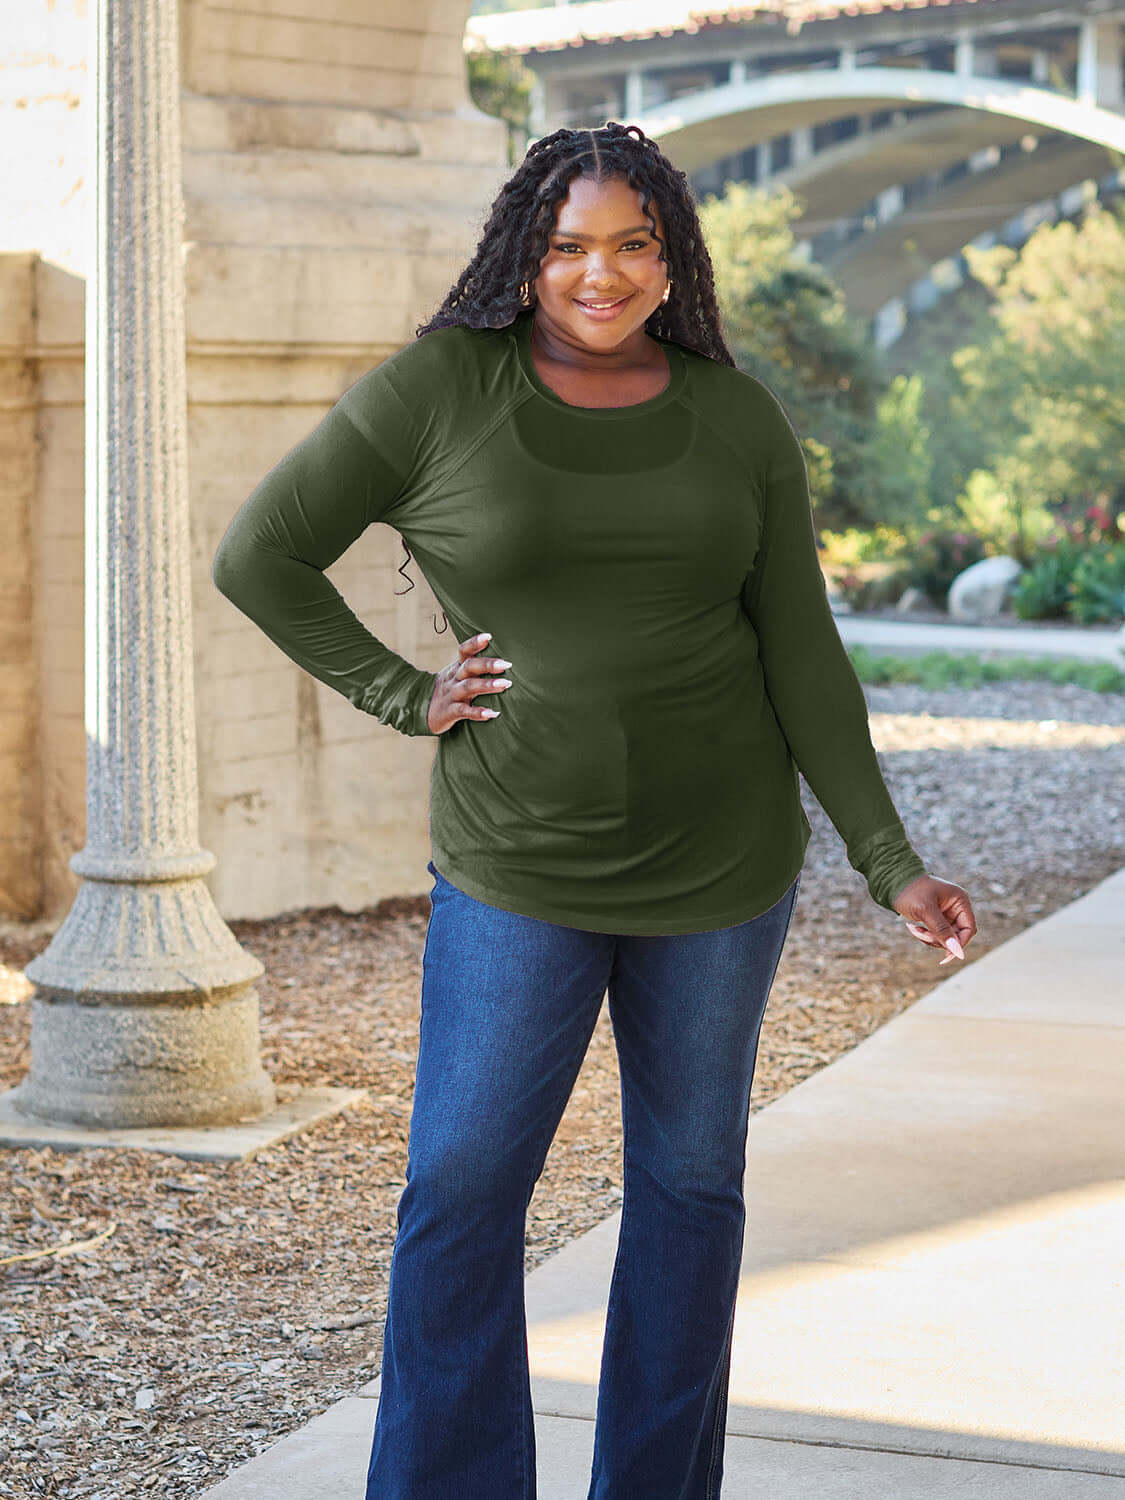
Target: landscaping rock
912 599
981 591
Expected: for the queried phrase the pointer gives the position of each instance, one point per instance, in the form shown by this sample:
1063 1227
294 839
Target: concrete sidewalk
933 1292
908 637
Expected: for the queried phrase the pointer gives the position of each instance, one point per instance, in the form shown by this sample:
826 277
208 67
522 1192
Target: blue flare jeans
508 1007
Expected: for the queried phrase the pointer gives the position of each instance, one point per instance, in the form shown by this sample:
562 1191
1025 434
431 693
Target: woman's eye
639 244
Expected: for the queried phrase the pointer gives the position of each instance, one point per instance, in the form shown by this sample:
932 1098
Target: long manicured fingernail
485 635
954 947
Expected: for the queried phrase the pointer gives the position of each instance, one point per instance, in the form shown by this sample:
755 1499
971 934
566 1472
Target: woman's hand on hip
937 913
462 681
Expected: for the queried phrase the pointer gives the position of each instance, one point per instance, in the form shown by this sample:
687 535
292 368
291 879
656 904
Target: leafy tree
900 452
787 322
1044 398
500 85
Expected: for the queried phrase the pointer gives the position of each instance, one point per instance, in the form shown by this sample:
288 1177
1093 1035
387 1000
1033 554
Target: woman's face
601 250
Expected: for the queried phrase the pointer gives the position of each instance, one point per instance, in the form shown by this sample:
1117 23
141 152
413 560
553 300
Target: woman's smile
600 309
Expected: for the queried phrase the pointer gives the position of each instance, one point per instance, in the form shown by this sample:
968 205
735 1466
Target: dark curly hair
514 239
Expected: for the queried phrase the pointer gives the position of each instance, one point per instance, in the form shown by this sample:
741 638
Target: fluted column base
144 1013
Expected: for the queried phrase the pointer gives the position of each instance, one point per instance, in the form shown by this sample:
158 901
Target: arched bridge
906 135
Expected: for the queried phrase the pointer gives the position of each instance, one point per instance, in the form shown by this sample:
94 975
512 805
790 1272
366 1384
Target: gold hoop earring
525 294
667 290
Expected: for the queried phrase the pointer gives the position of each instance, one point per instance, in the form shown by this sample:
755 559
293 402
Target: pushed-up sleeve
811 683
301 517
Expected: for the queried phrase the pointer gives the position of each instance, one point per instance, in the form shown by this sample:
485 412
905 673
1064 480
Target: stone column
964 50
1099 79
800 145
144 1011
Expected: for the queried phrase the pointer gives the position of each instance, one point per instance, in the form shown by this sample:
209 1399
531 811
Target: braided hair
522 216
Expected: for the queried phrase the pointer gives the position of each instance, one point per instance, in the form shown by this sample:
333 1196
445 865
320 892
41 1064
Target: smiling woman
602 499
597 287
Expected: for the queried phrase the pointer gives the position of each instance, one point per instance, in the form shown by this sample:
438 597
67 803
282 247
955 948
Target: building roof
599 21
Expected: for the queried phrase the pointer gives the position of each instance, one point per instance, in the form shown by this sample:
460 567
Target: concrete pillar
800 145
1040 65
888 203
1099 63
984 159
737 70
634 94
963 50
536 108
654 89
847 56
144 1011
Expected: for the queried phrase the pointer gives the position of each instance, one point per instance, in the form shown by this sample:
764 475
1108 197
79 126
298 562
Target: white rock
911 598
982 589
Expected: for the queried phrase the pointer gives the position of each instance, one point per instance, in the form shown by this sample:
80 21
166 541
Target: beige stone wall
306 800
20 782
335 179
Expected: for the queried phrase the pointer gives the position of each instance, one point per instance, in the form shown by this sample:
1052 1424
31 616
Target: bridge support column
634 94
537 107
1099 63
889 203
964 49
800 145
970 60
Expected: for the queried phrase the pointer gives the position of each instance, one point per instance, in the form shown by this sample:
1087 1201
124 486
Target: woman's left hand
937 913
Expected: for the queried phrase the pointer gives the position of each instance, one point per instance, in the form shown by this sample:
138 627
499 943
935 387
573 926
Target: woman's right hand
462 680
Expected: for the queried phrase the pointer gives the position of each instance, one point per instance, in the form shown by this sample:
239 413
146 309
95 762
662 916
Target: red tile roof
600 21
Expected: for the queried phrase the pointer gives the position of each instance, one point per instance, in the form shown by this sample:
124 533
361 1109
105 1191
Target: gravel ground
234 1302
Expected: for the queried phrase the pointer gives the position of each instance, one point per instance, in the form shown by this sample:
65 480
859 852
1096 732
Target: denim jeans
508 1007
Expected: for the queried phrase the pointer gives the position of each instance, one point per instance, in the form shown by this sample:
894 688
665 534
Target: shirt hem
566 917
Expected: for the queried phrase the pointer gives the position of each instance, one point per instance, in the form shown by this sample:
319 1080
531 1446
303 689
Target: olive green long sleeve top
650 571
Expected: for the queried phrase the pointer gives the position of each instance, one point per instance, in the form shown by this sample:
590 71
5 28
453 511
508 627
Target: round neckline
521 329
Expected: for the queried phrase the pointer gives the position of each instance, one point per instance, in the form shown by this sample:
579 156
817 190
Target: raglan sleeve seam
351 407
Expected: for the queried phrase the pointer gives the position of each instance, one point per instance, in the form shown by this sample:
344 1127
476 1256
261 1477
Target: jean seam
619 1259
531 1185
522 1410
530 1189
717 1430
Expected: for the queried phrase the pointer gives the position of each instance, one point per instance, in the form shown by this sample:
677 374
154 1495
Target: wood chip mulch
234 1302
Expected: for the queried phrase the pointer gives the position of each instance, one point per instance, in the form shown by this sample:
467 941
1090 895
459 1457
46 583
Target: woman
621 518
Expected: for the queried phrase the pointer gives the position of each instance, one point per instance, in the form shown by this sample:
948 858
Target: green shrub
1078 574
941 669
1043 590
870 587
934 559
845 549
1098 586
